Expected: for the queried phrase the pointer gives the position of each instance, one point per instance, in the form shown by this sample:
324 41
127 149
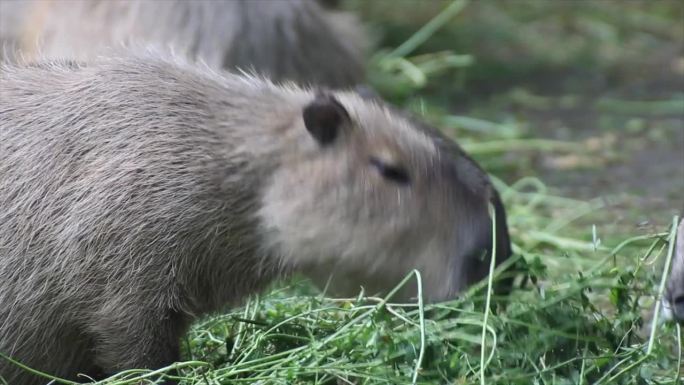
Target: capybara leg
142 339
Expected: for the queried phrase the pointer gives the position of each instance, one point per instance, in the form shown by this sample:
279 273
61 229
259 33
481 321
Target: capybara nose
678 308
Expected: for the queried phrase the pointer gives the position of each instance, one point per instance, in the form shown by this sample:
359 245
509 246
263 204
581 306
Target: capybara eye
394 173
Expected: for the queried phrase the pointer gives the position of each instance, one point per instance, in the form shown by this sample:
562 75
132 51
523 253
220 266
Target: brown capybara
140 191
297 40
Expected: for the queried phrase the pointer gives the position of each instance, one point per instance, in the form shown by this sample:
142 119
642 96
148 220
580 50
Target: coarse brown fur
139 192
296 40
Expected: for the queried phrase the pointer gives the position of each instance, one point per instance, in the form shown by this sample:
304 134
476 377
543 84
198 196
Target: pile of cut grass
579 315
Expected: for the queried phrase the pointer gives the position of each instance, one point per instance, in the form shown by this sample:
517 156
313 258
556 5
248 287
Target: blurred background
586 95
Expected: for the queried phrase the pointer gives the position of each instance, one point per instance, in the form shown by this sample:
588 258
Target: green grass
576 317
585 305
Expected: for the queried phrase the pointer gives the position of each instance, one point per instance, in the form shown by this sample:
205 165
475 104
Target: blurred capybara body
140 192
12 22
296 40
674 295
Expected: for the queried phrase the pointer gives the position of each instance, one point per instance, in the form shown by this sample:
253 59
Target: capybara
12 23
674 295
297 40
140 191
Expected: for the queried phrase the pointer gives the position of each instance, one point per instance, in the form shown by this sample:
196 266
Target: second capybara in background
298 40
12 22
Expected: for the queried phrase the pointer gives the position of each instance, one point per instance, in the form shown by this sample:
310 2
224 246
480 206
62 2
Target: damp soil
633 128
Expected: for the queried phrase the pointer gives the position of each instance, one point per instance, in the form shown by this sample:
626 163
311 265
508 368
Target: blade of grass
424 33
492 265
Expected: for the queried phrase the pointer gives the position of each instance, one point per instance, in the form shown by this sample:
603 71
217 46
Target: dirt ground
647 163
634 129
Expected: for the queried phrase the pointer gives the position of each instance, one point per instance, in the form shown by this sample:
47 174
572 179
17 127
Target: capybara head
368 195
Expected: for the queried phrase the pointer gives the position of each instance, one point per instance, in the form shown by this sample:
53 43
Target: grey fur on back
139 192
283 39
102 228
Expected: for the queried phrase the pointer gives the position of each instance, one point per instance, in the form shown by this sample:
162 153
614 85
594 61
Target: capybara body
139 192
296 40
674 295
12 22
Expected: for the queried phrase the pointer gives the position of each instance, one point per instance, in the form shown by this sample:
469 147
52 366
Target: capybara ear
324 117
